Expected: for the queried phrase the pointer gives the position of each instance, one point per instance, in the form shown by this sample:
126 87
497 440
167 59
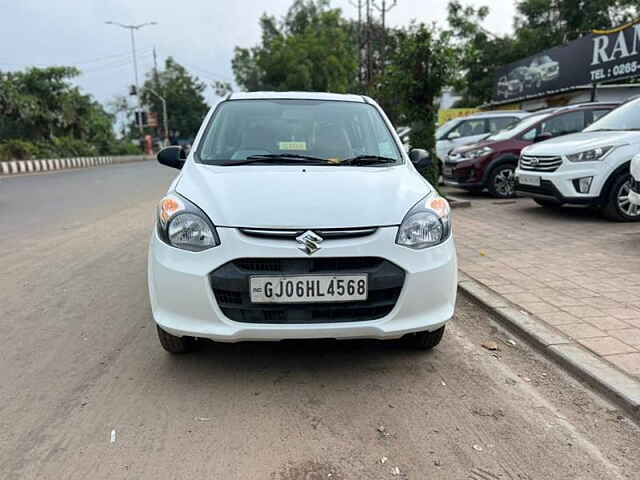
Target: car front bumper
184 304
560 185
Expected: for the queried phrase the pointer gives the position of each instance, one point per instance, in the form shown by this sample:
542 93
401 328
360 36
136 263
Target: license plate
308 288
531 180
448 171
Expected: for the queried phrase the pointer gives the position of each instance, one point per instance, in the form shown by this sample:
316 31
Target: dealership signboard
601 56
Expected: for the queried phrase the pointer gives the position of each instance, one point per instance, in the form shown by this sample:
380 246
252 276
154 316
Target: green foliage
183 93
61 147
17 150
311 49
42 113
539 24
421 65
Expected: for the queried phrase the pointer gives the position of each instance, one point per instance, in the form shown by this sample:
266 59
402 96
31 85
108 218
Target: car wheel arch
497 162
608 184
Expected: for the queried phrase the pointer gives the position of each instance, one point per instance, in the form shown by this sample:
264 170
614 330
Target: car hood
580 142
277 196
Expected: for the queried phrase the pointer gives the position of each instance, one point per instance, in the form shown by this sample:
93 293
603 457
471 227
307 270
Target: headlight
590 155
480 152
183 225
427 224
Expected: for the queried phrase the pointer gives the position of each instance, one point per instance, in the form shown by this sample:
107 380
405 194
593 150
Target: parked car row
491 164
465 130
580 154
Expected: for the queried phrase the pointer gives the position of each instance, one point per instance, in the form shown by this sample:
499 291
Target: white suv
587 168
634 195
300 215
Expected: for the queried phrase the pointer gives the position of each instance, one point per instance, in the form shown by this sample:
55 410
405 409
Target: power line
214 76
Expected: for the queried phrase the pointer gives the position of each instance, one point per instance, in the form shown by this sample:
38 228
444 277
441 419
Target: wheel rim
504 182
624 202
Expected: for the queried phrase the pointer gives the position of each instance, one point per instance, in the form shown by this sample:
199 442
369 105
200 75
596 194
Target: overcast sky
200 34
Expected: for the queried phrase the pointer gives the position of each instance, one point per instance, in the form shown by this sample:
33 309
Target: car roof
577 106
341 97
498 113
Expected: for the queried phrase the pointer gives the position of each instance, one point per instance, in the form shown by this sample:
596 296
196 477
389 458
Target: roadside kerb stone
17 167
617 385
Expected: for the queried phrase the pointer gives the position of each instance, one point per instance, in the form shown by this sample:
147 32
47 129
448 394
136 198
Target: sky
199 34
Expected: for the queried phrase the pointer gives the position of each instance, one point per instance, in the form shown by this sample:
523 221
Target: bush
17 150
62 147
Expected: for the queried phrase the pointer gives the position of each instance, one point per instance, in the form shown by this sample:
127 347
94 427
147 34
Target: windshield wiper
367 160
279 157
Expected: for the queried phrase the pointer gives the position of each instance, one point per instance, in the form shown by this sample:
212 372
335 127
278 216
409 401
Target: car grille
230 284
329 233
540 163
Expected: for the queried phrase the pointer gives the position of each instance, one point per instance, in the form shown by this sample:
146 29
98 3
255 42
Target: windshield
516 128
446 128
296 131
625 117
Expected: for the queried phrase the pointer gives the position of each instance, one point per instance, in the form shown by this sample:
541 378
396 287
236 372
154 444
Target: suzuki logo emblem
310 242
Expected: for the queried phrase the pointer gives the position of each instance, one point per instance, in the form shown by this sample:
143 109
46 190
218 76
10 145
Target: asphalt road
79 359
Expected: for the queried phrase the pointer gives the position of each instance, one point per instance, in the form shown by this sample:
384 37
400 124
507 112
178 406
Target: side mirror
543 136
453 135
173 156
420 158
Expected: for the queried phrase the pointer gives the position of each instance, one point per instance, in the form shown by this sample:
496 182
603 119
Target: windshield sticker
292 145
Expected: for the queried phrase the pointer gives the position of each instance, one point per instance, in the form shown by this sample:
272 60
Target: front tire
424 340
618 206
502 181
173 344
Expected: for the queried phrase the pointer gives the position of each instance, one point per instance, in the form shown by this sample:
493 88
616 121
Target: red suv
491 163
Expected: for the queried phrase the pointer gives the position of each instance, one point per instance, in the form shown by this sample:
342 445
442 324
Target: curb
18 167
457 203
613 383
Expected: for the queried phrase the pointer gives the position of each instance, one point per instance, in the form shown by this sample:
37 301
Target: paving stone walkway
568 267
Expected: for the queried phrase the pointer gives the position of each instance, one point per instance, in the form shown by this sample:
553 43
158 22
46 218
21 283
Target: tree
538 25
186 106
542 24
479 53
310 49
420 67
40 105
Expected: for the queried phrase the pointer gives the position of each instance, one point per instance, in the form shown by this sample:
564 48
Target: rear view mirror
173 156
420 158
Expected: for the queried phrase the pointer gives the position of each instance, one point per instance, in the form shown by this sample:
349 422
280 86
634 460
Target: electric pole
131 29
384 9
358 5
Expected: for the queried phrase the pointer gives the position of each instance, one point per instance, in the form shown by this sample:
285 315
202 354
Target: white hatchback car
299 215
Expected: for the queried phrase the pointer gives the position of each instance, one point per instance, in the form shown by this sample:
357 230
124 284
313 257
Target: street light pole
131 29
